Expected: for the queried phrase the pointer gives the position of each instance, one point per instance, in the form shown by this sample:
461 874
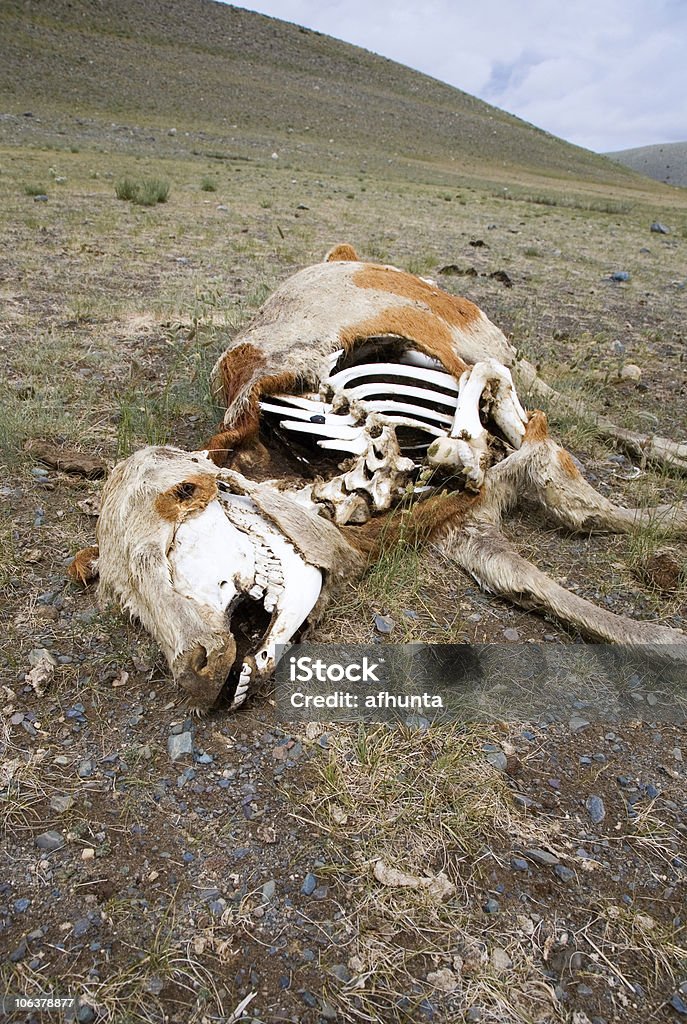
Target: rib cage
413 390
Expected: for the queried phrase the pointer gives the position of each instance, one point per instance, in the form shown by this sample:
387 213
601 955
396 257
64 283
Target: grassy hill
666 162
249 83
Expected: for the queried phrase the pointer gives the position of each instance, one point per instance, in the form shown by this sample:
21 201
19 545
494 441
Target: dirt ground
161 890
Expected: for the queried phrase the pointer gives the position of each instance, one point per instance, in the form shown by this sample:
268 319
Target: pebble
511 634
384 623
519 864
81 927
179 745
22 904
542 857
679 1004
500 959
595 809
578 724
659 229
309 884
50 841
268 890
497 759
61 802
491 906
565 874
88 853
86 768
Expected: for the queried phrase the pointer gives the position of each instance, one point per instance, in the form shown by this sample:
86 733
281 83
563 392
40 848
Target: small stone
497 759
309 999
620 275
578 724
88 853
86 768
309 884
500 959
384 623
50 841
565 874
631 372
595 809
81 927
542 857
679 1004
179 745
659 229
519 864
268 891
491 906
341 973
473 1015
511 634
22 904
443 980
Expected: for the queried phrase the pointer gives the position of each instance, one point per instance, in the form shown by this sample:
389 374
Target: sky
604 74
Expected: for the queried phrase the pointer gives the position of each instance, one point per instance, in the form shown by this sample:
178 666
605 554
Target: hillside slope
666 162
239 75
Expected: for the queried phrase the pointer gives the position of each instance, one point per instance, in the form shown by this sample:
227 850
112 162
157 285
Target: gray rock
497 759
81 927
511 634
659 229
565 874
309 884
578 724
86 768
384 623
595 809
679 1004
519 864
542 857
179 745
491 906
268 890
50 841
61 802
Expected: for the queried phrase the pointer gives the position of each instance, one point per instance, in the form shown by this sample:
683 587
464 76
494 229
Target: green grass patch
147 192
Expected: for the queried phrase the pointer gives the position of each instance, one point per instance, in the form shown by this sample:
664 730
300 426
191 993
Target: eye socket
185 490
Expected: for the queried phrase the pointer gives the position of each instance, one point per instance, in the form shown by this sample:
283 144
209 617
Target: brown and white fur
336 307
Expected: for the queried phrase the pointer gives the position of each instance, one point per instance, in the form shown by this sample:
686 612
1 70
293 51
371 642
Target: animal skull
355 385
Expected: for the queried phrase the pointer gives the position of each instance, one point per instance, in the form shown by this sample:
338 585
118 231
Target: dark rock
309 884
491 906
565 874
50 841
22 904
659 229
519 864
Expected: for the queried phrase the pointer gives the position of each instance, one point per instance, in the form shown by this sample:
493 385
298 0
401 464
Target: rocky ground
167 868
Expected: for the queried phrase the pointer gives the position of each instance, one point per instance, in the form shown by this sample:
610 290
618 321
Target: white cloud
605 74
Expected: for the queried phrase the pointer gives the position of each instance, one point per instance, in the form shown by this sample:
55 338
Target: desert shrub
35 190
208 185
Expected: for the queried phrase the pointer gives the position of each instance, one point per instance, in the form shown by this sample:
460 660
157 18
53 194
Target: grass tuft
147 192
